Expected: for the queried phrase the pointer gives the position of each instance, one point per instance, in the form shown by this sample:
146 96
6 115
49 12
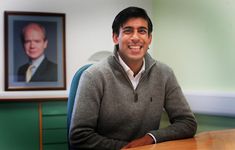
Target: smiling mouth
135 47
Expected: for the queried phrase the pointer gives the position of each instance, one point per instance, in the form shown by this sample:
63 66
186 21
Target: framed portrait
34 51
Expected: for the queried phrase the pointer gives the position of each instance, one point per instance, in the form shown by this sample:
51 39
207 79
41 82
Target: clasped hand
145 140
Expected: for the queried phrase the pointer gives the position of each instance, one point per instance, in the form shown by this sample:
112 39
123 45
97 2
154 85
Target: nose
31 44
135 36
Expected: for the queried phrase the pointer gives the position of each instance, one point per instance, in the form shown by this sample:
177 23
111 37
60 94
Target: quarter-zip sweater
108 112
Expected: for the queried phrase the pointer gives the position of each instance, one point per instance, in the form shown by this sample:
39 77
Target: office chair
72 94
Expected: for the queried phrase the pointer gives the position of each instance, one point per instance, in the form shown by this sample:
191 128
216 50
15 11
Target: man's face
34 43
133 40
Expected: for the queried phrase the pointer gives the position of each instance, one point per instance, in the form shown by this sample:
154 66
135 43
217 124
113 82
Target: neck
135 66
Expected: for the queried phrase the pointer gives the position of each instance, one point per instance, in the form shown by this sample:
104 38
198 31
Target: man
39 68
120 101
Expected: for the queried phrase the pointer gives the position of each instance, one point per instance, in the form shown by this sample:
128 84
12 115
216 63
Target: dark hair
128 13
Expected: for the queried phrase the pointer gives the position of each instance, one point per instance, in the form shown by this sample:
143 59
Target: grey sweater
108 112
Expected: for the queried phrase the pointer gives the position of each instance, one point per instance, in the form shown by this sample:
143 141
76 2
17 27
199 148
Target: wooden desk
212 140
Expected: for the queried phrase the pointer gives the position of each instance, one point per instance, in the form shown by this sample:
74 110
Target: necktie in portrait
29 73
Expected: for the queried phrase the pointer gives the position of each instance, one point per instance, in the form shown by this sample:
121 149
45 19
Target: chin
134 58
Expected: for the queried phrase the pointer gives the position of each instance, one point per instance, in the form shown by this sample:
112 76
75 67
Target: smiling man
120 101
133 41
39 68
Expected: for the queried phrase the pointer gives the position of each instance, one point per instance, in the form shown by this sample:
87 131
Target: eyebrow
144 28
130 27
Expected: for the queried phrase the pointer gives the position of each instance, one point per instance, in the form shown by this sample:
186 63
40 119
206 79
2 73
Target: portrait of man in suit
38 68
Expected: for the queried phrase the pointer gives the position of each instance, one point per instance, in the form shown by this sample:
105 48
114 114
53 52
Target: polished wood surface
212 140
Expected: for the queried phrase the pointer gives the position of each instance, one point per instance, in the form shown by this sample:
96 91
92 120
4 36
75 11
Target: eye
26 41
38 41
143 31
127 31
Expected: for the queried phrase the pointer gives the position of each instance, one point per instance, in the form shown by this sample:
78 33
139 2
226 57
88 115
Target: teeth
135 47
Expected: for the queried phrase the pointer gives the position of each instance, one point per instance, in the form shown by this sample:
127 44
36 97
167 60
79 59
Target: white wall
196 38
193 37
88 30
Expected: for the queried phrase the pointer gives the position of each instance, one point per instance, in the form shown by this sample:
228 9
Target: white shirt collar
38 61
134 79
127 68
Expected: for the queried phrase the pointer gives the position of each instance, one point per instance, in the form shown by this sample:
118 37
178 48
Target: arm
183 122
145 140
83 130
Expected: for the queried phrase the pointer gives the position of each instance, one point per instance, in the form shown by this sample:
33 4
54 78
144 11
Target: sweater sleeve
183 123
83 130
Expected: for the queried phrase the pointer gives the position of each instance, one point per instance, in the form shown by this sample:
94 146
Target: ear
45 43
115 38
150 39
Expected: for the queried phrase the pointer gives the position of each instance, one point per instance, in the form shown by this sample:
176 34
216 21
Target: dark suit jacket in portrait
46 72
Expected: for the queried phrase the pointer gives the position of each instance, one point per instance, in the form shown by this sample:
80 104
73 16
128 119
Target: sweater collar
149 61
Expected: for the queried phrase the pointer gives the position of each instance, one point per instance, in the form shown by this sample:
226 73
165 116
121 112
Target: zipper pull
136 97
